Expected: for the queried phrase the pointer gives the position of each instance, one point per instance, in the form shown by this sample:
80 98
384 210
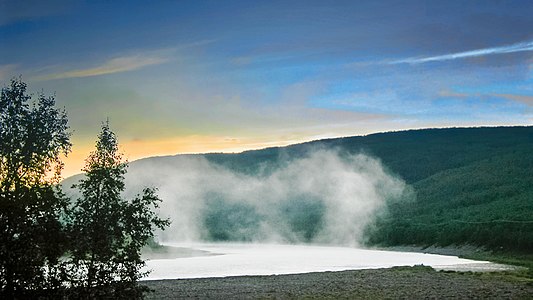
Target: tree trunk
10 284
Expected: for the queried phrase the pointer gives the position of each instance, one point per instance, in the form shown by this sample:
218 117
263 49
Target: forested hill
472 185
413 154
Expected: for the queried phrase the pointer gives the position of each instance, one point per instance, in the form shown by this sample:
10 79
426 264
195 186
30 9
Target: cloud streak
518 47
524 99
114 65
518 98
16 11
6 71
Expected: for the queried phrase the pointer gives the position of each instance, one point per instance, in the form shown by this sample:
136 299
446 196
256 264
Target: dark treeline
52 246
487 203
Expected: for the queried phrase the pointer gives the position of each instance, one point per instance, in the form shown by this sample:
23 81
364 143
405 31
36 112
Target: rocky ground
396 283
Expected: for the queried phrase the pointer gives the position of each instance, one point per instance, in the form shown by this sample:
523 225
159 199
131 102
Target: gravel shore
395 283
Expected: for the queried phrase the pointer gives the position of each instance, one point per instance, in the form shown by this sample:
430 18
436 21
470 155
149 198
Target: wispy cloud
525 99
7 71
16 11
196 44
520 98
518 47
452 94
114 65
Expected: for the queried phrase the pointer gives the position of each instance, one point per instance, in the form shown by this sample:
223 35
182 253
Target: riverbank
396 283
519 260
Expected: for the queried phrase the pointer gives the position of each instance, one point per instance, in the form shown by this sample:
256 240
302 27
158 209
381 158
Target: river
204 260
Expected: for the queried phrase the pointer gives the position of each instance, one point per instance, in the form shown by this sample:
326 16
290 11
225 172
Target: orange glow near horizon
134 149
137 149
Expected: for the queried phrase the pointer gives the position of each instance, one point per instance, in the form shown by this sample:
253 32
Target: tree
33 136
108 232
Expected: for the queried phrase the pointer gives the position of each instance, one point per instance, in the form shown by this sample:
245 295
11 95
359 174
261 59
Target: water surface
221 260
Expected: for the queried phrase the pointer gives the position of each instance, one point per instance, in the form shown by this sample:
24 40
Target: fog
322 197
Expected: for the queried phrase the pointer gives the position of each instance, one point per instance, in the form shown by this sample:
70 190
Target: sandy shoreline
395 283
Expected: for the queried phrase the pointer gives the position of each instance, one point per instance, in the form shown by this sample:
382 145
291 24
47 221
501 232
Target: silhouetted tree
33 136
108 232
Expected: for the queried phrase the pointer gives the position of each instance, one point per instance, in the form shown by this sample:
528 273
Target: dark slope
472 185
413 154
487 202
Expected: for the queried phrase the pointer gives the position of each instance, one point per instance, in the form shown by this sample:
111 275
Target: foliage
486 203
33 136
227 221
305 216
108 231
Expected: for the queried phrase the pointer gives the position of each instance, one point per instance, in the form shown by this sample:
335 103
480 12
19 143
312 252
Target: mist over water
322 197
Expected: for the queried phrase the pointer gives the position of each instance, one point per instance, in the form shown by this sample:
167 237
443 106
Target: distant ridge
471 185
413 154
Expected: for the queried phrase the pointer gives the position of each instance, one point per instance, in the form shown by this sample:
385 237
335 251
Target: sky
226 76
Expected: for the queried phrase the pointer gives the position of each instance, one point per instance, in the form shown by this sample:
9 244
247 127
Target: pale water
221 260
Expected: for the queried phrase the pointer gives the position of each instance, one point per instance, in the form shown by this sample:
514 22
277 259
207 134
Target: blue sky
202 76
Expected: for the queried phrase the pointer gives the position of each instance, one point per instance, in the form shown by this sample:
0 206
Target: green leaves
108 231
33 135
102 233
